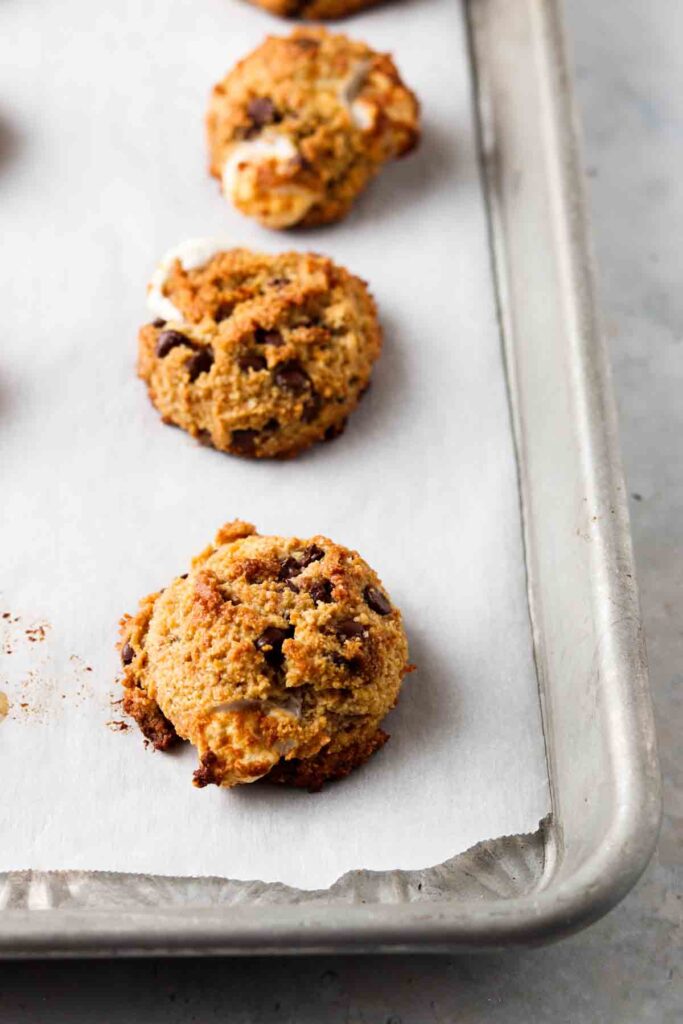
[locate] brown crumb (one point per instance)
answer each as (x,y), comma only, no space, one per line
(206,774)
(150,718)
(116,725)
(36,634)
(326,766)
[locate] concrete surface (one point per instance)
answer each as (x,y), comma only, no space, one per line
(627,969)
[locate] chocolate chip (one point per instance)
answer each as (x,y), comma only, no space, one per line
(352,664)
(291,585)
(204,438)
(158,322)
(312,554)
(321,591)
(252,361)
(169,340)
(127,654)
(200,363)
(262,111)
(289,568)
(349,629)
(270,643)
(223,311)
(271,425)
(184,576)
(243,441)
(376,600)
(291,376)
(334,431)
(292,566)
(312,408)
(264,337)
(272,637)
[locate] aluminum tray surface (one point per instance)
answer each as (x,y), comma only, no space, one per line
(582,595)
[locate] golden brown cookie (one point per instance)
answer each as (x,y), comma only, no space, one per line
(299,127)
(314,10)
(274,656)
(254,354)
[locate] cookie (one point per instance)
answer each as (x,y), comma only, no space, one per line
(314,10)
(274,656)
(254,354)
(299,127)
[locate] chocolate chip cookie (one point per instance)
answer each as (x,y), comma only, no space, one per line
(255,354)
(274,656)
(299,127)
(314,10)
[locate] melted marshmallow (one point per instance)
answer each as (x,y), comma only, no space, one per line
(260,753)
(256,151)
(289,706)
(361,112)
(193,253)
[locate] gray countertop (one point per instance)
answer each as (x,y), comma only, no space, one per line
(628,968)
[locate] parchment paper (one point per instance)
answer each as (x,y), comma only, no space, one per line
(102,169)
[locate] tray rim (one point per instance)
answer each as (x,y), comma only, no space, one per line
(557,908)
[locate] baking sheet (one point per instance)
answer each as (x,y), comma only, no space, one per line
(103,169)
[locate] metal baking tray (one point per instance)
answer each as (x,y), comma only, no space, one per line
(582,596)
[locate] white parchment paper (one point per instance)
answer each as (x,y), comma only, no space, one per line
(102,168)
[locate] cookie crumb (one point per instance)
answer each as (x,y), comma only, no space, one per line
(36,634)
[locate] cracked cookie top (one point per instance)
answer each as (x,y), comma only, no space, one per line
(261,355)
